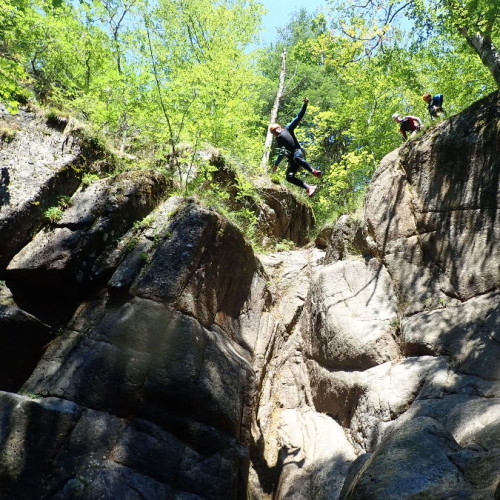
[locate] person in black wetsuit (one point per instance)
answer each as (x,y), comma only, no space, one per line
(434,104)
(285,137)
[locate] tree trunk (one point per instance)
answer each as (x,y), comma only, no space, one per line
(484,47)
(274,111)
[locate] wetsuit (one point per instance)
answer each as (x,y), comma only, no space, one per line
(295,154)
(435,105)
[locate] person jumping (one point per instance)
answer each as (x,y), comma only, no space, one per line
(285,137)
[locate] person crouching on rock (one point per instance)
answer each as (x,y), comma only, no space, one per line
(410,124)
(285,137)
(434,104)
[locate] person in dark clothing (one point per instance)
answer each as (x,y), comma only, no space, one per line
(408,124)
(285,137)
(434,104)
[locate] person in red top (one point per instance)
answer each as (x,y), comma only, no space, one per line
(290,147)
(409,123)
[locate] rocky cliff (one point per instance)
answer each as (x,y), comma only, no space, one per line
(149,353)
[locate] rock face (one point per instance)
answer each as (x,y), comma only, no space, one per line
(38,166)
(147,352)
(156,367)
(279,215)
(396,335)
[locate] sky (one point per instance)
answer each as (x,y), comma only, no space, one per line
(279,12)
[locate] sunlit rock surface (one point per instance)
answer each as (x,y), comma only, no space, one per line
(148,352)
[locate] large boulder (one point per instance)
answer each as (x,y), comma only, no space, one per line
(39,165)
(159,359)
(143,358)
(467,332)
(431,214)
(353,316)
(280,214)
(432,209)
(411,462)
(315,456)
(420,459)
(61,255)
(283,215)
(367,402)
(345,238)
(59,449)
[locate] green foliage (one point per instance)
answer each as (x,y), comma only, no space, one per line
(132,243)
(453,15)
(30,395)
(147,76)
(163,80)
(246,220)
(281,246)
(145,223)
(63,202)
(53,214)
(367,65)
(88,179)
(13,74)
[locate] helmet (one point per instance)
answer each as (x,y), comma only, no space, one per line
(395,116)
(426,97)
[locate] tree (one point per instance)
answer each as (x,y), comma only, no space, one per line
(202,80)
(274,110)
(376,23)
(13,73)
(356,76)
(474,20)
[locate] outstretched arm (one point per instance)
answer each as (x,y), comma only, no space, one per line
(278,161)
(299,117)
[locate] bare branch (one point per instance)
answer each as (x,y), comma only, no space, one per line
(274,110)
(160,96)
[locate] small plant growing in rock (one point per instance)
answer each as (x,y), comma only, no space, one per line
(144,223)
(8,132)
(283,245)
(395,324)
(173,213)
(443,302)
(88,179)
(63,202)
(53,214)
(31,395)
(132,243)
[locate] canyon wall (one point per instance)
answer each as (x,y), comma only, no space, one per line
(149,353)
